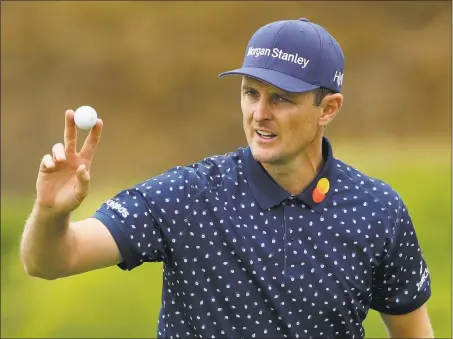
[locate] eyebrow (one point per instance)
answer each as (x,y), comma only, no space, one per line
(277,91)
(248,87)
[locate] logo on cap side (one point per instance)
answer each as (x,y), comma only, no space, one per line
(338,78)
(279,54)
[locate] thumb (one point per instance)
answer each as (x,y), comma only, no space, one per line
(83,183)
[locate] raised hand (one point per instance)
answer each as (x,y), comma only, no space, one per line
(64,176)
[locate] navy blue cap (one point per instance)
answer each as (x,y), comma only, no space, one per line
(295,56)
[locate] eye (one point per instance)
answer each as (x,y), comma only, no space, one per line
(279,98)
(250,92)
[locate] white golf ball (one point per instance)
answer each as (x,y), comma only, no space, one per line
(85,117)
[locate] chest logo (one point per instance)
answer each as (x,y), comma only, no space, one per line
(321,189)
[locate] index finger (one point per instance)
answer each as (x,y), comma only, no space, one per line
(70,132)
(92,141)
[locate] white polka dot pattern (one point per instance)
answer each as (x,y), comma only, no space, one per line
(294,269)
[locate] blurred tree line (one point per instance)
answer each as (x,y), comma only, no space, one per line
(150,69)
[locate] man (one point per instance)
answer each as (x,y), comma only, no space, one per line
(278,239)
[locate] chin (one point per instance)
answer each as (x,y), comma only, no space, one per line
(265,155)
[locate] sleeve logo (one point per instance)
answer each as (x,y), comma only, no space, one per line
(114,205)
(423,276)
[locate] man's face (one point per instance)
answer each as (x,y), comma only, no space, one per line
(278,125)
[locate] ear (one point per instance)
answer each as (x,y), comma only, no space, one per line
(330,105)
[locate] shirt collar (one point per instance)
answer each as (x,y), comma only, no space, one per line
(268,193)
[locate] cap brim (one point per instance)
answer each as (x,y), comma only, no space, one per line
(280,80)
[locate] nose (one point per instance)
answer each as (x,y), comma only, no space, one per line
(262,110)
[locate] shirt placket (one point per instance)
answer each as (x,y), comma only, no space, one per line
(289,234)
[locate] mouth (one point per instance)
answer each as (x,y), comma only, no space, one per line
(265,135)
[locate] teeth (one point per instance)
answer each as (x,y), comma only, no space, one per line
(265,134)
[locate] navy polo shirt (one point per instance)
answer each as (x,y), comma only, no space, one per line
(244,258)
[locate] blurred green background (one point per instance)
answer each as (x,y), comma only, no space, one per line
(150,69)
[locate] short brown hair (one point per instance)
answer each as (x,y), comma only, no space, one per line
(320,93)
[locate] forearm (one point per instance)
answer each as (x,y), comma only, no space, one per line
(416,331)
(415,324)
(46,244)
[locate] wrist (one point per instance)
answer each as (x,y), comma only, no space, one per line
(49,215)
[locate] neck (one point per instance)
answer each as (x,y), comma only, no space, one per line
(297,175)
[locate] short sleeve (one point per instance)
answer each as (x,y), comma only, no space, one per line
(147,221)
(401,283)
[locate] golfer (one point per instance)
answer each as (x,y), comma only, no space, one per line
(276,239)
